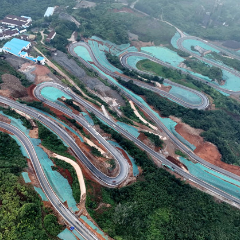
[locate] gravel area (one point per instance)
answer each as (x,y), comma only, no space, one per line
(13,86)
(16,62)
(92,83)
(62,59)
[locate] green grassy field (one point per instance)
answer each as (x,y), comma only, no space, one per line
(159,70)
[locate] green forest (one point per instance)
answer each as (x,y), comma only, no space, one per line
(21,209)
(32,8)
(214,73)
(190,16)
(105,23)
(234,63)
(159,206)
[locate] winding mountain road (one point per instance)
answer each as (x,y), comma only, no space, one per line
(68,216)
(154,154)
(154,117)
(201,106)
(181,47)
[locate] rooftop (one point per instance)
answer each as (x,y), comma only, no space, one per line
(15,46)
(40,58)
(49,12)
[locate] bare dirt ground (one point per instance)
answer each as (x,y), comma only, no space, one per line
(92,83)
(140,44)
(32,175)
(177,162)
(73,37)
(99,162)
(165,88)
(37,73)
(146,140)
(139,116)
(33,133)
(205,150)
(4,119)
(5,131)
(12,87)
(41,74)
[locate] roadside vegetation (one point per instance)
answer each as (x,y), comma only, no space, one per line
(30,8)
(220,126)
(129,113)
(95,152)
(78,126)
(8,111)
(70,103)
(155,139)
(19,203)
(64,30)
(159,70)
(114,60)
(180,153)
(52,142)
(38,105)
(234,63)
(214,73)
(159,206)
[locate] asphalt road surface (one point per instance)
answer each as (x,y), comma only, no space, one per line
(156,155)
(69,217)
(204,100)
(175,140)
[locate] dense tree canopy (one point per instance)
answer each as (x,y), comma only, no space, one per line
(21,209)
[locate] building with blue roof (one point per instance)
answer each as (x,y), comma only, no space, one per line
(49,12)
(18,47)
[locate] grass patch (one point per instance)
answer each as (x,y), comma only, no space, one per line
(155,139)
